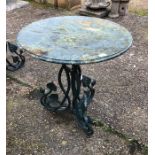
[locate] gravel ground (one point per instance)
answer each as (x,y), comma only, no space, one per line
(120,99)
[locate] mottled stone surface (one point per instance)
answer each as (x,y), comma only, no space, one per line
(74,39)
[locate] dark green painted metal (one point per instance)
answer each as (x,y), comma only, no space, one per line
(74,39)
(78,102)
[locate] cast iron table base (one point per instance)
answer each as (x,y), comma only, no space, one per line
(78,103)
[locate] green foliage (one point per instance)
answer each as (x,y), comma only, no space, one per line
(140,12)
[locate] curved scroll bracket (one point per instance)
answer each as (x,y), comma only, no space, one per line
(82,105)
(16,60)
(50,100)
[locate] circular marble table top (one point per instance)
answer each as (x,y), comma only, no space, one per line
(74,39)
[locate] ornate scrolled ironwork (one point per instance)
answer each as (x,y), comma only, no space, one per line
(50,100)
(78,105)
(83,103)
(18,59)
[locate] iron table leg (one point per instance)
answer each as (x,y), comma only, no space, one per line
(79,101)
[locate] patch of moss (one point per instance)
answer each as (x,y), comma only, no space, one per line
(18,81)
(9,106)
(132,143)
(25,144)
(139,12)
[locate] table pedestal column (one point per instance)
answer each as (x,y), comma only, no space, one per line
(77,102)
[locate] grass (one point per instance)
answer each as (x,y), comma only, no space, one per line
(139,12)
(139,7)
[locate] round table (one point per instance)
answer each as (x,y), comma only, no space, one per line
(73,41)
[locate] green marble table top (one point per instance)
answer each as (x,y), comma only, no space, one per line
(74,39)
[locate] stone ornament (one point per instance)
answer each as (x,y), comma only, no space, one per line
(119,8)
(97,8)
(97,4)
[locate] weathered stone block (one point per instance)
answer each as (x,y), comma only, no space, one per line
(114,9)
(119,8)
(96,13)
(123,8)
(97,8)
(97,4)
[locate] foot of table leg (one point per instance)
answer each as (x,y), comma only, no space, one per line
(79,103)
